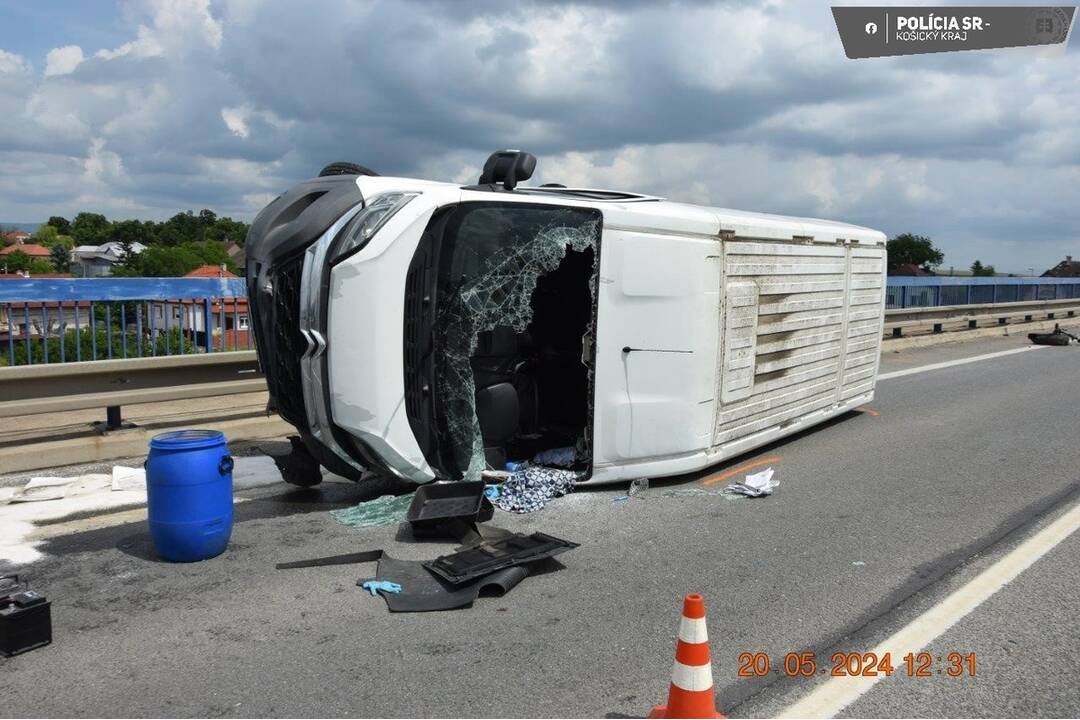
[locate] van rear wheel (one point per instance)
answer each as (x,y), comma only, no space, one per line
(346,168)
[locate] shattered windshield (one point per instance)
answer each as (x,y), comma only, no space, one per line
(491,260)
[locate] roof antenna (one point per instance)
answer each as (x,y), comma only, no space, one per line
(508,167)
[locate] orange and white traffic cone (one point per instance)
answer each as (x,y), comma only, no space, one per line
(691,693)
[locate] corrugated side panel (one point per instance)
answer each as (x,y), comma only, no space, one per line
(801,333)
(865,321)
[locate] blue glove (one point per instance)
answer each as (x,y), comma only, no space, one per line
(373,586)
(491,492)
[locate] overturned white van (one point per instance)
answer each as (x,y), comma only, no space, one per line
(429,331)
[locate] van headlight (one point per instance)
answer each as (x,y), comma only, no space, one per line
(359,231)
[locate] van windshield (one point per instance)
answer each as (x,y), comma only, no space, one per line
(515,298)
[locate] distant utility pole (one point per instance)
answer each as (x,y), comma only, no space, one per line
(1031,272)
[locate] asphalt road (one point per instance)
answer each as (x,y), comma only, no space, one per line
(878,516)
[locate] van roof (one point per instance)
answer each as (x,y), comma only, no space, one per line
(648,212)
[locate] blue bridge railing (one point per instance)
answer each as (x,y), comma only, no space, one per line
(46,320)
(909,292)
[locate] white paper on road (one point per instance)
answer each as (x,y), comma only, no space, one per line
(42,488)
(128,478)
(758,484)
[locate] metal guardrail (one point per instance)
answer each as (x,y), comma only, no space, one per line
(945,291)
(192,370)
(38,389)
(897,319)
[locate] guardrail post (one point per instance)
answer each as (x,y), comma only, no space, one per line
(1003,321)
(113,418)
(208,318)
(937,327)
(1027,318)
(972,324)
(896,332)
(1049,316)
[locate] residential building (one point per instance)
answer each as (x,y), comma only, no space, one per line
(99,260)
(1066,268)
(911,270)
(14,237)
(36,252)
(227,315)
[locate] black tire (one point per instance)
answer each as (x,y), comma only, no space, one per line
(297,466)
(346,168)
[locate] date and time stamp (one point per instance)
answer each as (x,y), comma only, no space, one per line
(854,664)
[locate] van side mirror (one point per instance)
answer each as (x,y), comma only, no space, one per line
(508,167)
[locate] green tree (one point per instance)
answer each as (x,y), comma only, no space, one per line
(912,249)
(40,267)
(90,229)
(17,261)
(134,231)
(227,230)
(180,228)
(63,227)
(46,235)
(207,217)
(61,257)
(980,270)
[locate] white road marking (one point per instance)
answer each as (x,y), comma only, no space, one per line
(837,693)
(961,361)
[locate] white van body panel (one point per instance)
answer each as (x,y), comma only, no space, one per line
(364,338)
(745,338)
(739,328)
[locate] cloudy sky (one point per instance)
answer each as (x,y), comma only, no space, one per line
(143,108)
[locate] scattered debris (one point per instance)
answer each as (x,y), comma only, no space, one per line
(25,617)
(1057,337)
(374,586)
(384,510)
(346,559)
(638,487)
(42,488)
(858,562)
(529,490)
(423,591)
(443,508)
(491,566)
(758,484)
(620,498)
(128,478)
(558,457)
(693,492)
(491,555)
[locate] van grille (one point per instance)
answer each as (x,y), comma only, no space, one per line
(414,308)
(288,345)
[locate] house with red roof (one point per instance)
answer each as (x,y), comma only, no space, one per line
(34,251)
(230,320)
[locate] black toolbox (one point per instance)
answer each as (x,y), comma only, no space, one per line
(25,618)
(437,506)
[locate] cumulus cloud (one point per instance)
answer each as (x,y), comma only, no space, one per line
(749,105)
(63,60)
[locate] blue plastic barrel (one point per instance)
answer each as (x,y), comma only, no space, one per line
(189,494)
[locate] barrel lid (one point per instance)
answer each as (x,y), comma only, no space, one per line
(187,439)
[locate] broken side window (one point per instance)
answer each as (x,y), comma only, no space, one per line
(515,299)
